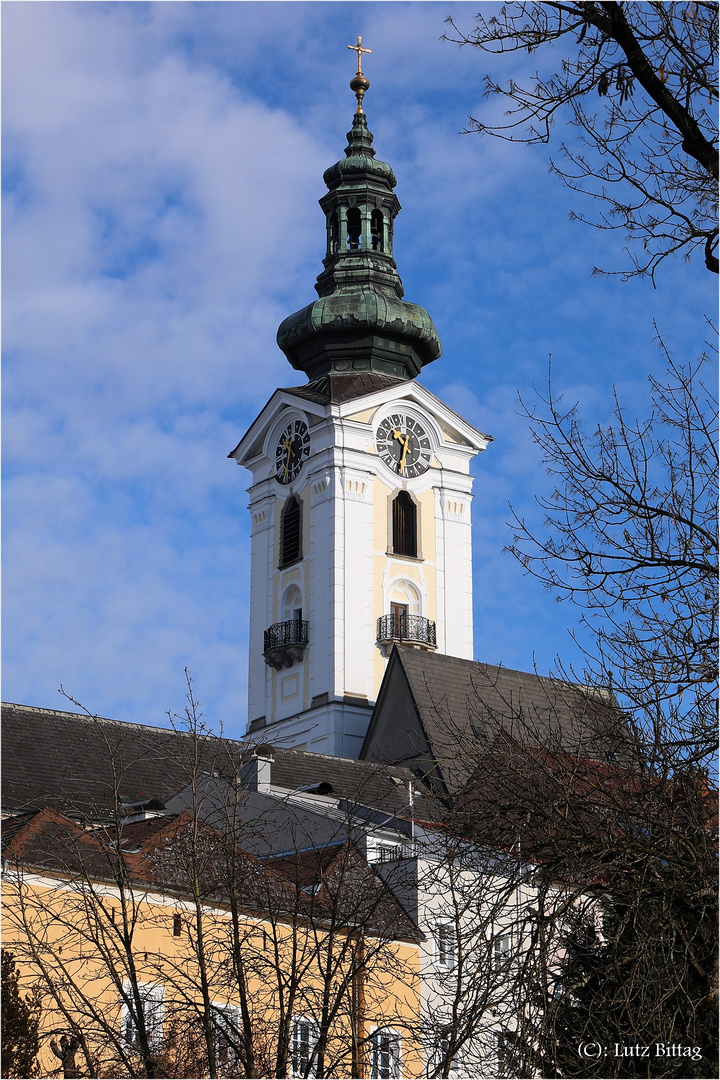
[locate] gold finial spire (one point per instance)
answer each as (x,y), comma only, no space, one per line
(359,84)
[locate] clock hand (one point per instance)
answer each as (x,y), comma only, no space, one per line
(406,447)
(405,443)
(398,435)
(288,446)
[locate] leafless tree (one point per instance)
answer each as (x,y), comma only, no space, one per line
(617,933)
(631,538)
(637,83)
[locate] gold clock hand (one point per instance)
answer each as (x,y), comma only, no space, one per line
(288,446)
(406,447)
(403,442)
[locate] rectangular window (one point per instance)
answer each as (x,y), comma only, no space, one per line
(227,1033)
(502,949)
(446,945)
(153,1007)
(383,851)
(503,1054)
(388,852)
(302,1046)
(384,1055)
(177,924)
(442,1054)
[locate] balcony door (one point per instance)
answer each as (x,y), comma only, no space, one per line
(399,614)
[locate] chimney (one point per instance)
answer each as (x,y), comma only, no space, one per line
(256,771)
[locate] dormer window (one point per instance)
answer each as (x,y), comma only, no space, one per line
(376,231)
(353,229)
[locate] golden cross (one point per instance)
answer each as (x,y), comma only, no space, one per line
(359,50)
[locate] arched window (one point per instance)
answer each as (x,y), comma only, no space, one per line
(376,230)
(291,531)
(404,525)
(334,234)
(292,605)
(353,229)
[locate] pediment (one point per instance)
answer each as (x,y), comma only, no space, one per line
(252,443)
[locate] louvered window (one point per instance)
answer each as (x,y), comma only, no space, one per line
(445,943)
(291,532)
(404,512)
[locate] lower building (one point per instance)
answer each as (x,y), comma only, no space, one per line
(162,949)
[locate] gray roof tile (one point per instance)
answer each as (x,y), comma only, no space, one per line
(457,701)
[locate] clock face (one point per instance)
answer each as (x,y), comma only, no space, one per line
(292,449)
(404,445)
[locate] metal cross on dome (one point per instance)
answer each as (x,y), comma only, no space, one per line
(359,50)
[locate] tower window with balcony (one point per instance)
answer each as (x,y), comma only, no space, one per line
(291,531)
(353,229)
(404,525)
(286,641)
(376,230)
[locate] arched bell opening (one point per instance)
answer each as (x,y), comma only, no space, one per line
(377,231)
(333,233)
(404,525)
(291,532)
(354,229)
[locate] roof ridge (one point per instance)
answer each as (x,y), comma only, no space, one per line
(423,658)
(108,720)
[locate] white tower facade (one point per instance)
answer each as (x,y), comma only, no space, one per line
(379,555)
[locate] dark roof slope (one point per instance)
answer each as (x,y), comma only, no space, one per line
(77,763)
(336,389)
(340,879)
(456,700)
(49,840)
(366,783)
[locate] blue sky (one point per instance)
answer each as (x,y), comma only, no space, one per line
(162,166)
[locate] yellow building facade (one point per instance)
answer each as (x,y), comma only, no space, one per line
(154,971)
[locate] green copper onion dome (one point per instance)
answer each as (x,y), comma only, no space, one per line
(360,321)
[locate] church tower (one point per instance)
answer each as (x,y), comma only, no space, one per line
(361,490)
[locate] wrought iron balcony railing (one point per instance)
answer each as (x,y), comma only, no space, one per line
(285,643)
(413,629)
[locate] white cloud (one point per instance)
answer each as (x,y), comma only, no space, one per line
(163,165)
(152,230)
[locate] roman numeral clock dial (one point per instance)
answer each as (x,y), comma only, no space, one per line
(404,445)
(292,449)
